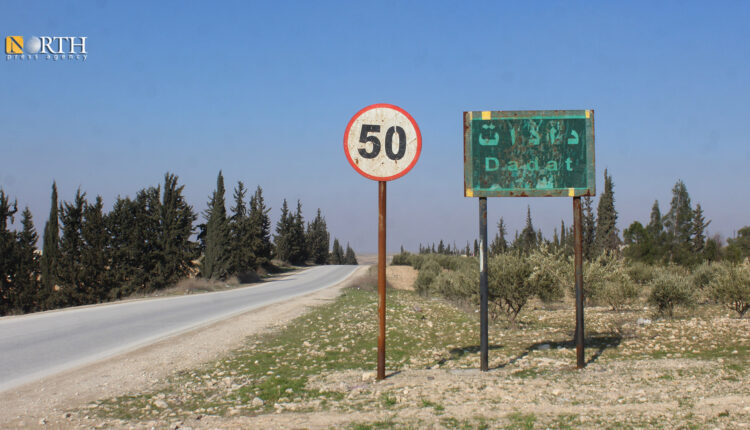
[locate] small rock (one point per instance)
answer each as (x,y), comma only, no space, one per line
(67,415)
(367,376)
(161,404)
(257,402)
(543,347)
(43,421)
(227,381)
(643,321)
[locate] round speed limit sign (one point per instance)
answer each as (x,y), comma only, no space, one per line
(382,142)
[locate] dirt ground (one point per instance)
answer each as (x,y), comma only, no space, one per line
(642,372)
(401,277)
(44,403)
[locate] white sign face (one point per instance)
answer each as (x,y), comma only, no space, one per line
(382,142)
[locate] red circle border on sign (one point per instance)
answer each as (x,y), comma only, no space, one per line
(409,117)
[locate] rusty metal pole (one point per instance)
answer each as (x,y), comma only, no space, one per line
(483,293)
(578,239)
(381,279)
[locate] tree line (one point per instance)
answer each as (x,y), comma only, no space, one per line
(148,243)
(678,237)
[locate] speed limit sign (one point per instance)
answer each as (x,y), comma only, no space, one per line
(382,142)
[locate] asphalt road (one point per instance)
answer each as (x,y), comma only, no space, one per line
(37,345)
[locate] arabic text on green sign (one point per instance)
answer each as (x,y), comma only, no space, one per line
(530,153)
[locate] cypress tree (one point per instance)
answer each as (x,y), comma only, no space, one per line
(528,239)
(699,231)
(562,233)
(607,236)
(337,253)
(500,243)
(555,239)
(476,247)
(28,296)
(176,219)
(291,236)
(655,229)
(656,224)
(349,256)
(441,247)
(8,262)
(467,250)
(70,270)
(242,258)
(318,239)
(135,234)
(679,225)
(283,229)
(215,264)
(260,229)
(51,246)
(589,228)
(94,277)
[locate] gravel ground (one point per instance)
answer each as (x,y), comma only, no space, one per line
(317,372)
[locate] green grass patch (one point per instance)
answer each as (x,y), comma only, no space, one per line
(339,336)
(519,421)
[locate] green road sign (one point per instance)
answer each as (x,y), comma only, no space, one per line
(529,153)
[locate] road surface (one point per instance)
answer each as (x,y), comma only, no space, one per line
(38,345)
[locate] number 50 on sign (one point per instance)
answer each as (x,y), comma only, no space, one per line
(382,142)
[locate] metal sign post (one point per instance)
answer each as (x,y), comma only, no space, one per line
(529,154)
(578,239)
(382,142)
(483,288)
(381,279)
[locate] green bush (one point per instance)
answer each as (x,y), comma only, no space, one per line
(641,273)
(401,259)
(606,281)
(704,273)
(462,284)
(514,279)
(670,289)
(731,287)
(427,274)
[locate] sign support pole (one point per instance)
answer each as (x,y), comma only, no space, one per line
(578,239)
(381,279)
(483,293)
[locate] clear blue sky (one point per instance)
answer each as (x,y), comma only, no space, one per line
(264,90)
